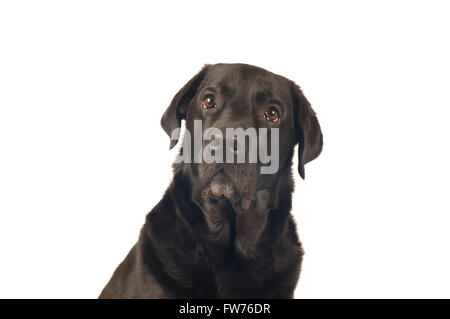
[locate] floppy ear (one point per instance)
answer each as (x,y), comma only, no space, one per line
(177,109)
(309,134)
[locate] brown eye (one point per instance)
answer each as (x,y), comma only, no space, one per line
(272,115)
(208,102)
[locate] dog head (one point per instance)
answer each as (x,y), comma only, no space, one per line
(240,96)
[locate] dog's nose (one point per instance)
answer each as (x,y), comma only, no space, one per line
(216,143)
(232,145)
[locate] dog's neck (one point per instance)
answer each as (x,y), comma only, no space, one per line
(208,238)
(237,226)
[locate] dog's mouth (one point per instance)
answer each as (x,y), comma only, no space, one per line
(222,187)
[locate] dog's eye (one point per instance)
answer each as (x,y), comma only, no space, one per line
(209,101)
(272,115)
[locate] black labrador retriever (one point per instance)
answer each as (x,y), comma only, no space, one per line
(224,230)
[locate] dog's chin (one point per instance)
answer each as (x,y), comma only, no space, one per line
(221,187)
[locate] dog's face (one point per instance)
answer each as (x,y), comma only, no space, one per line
(230,96)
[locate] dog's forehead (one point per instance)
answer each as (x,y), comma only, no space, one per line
(231,78)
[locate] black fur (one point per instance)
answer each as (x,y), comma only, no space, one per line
(242,245)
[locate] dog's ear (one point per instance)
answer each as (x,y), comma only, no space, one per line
(177,109)
(309,134)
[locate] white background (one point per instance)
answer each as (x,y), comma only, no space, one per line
(83,85)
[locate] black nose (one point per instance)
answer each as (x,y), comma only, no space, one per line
(232,144)
(216,143)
